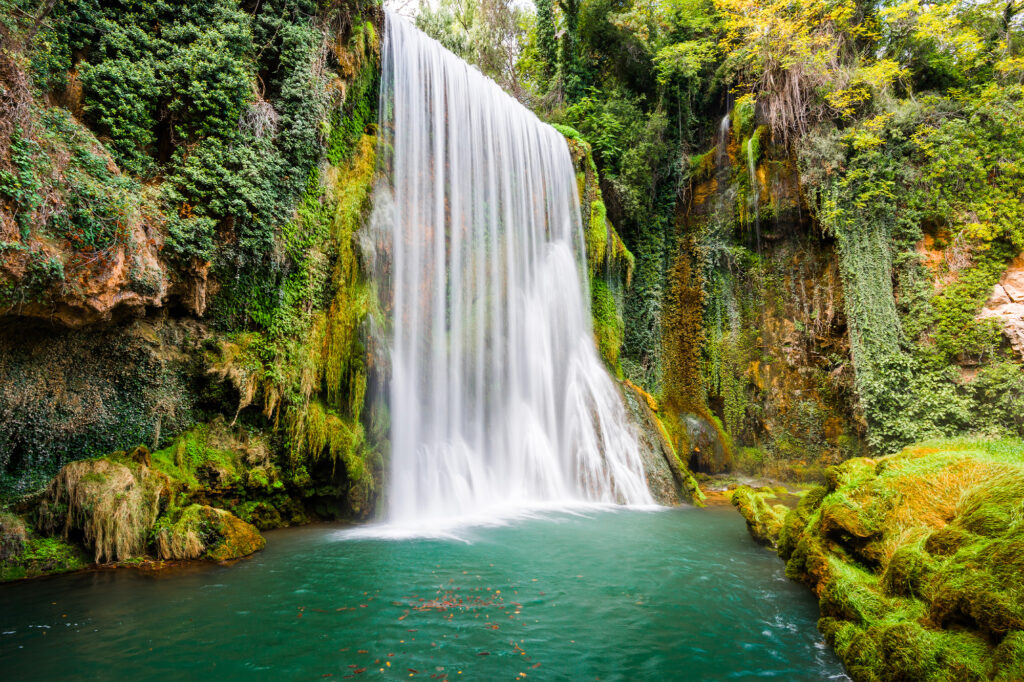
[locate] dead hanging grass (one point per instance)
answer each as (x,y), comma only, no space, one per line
(114,506)
(177,543)
(237,364)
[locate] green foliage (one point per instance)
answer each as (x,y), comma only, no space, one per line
(955,332)
(546,42)
(743,117)
(875,207)
(568,131)
(486,33)
(21,185)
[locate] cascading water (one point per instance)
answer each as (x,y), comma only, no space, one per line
(498,397)
(755,192)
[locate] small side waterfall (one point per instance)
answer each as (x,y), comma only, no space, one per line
(498,397)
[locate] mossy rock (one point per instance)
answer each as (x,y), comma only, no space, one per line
(908,569)
(918,561)
(841,517)
(947,541)
(763,521)
(992,508)
(796,520)
(209,533)
(849,596)
(851,472)
(41,555)
(261,514)
(857,649)
(1008,660)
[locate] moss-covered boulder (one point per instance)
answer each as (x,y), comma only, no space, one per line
(764,521)
(204,532)
(917,560)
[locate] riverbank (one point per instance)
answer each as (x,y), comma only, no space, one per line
(917,559)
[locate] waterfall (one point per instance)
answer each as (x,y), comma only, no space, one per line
(498,397)
(755,191)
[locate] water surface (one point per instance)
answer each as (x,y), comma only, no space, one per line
(615,595)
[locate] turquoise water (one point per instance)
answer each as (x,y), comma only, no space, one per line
(613,595)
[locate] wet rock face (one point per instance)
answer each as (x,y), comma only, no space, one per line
(668,479)
(1007,304)
(67,395)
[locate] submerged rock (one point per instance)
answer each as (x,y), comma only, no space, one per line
(204,532)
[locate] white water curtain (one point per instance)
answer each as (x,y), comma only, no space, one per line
(498,397)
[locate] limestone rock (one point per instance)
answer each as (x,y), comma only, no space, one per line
(119,284)
(1007,304)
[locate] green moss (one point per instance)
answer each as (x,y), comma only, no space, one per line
(763,521)
(947,541)
(194,461)
(204,532)
(607,323)
(993,509)
(34,554)
(743,115)
(1008,661)
(597,238)
(917,560)
(795,522)
(908,569)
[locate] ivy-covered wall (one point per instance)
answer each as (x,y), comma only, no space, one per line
(181,187)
